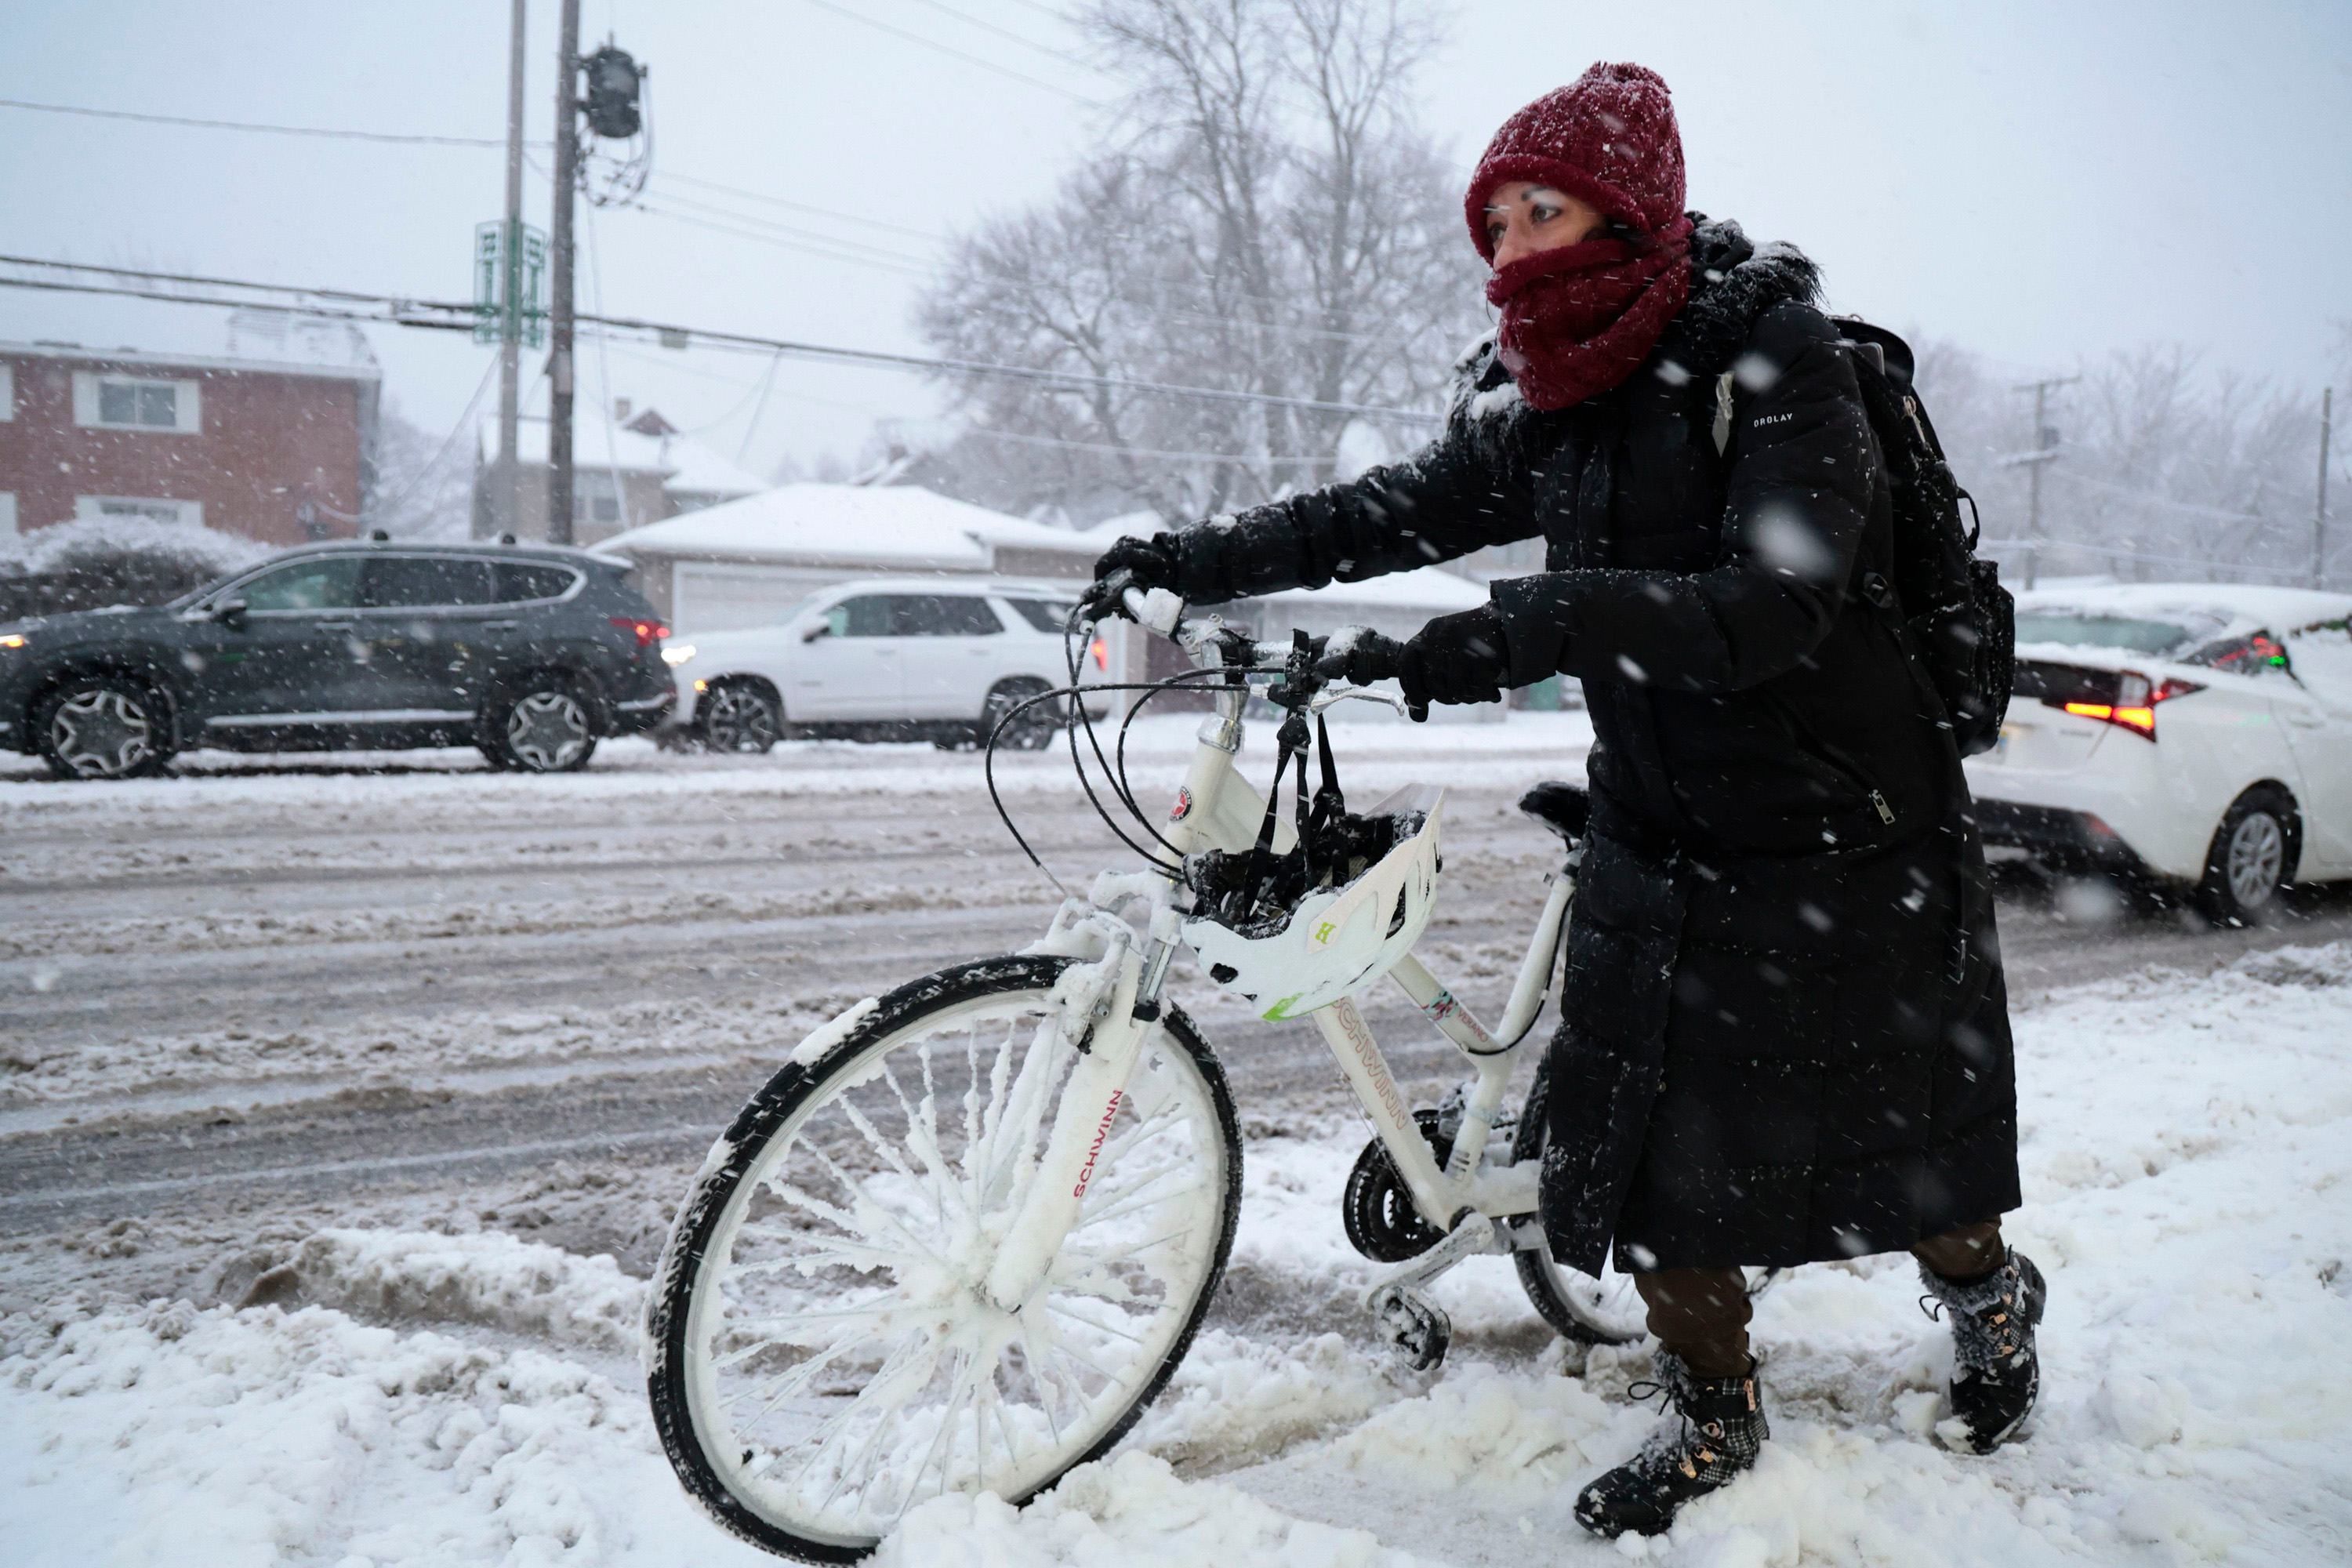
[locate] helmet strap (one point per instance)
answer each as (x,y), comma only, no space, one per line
(1330,808)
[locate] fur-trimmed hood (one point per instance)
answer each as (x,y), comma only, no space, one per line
(1734,280)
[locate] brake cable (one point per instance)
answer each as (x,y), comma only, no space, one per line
(988,766)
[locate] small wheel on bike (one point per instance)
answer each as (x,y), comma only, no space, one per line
(1606,1311)
(822,1355)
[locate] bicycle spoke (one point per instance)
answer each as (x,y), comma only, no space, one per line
(1129,1203)
(863,1371)
(1047,1393)
(922,1137)
(1076,1317)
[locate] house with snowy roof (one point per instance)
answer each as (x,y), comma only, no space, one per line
(635,469)
(745,561)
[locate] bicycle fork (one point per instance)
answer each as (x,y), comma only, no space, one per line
(1110,1037)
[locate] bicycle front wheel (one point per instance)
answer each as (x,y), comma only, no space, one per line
(822,1353)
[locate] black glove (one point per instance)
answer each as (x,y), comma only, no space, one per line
(1455,659)
(1148,563)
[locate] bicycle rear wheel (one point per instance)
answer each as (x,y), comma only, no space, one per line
(821,1355)
(1603,1311)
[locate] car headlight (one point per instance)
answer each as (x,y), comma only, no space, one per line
(678,654)
(16,640)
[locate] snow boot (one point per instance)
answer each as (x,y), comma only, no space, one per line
(1996,1373)
(1715,1432)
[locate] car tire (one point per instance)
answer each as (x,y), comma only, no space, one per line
(739,716)
(543,723)
(1033,731)
(104,726)
(2252,856)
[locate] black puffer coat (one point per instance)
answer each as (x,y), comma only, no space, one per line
(1785,1035)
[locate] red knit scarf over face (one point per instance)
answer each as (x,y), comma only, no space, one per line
(1578,320)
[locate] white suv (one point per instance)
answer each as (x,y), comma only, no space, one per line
(886,658)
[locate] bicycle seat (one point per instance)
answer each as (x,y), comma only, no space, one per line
(1560,807)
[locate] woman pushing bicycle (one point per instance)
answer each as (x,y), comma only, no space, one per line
(1785,1035)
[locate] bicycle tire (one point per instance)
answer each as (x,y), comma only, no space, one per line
(1602,1312)
(698,1264)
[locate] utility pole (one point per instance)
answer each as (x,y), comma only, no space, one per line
(2319,512)
(505,491)
(2045,451)
(559,358)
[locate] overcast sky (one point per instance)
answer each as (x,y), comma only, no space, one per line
(2041,182)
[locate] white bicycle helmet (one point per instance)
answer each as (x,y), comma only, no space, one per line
(1294,932)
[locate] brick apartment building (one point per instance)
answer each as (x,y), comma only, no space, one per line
(269,440)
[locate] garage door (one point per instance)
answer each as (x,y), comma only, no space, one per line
(718,598)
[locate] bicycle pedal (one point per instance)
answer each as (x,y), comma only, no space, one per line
(1415,1324)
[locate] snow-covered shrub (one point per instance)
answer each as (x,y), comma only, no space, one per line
(98,560)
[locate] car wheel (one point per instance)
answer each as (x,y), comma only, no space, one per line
(546,724)
(2252,856)
(1032,729)
(737,716)
(104,726)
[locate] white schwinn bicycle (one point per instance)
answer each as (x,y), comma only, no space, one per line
(966,1235)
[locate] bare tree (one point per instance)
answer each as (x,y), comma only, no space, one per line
(423,483)
(1268,220)
(2166,469)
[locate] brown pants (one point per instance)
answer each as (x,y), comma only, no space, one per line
(1701,1314)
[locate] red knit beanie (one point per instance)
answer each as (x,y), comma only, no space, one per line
(1609,138)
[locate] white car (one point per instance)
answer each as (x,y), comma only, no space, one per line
(936,658)
(2200,733)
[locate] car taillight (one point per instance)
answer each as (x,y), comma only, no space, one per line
(648,632)
(1100,649)
(2134,708)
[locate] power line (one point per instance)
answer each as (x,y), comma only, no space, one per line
(323,313)
(2152,498)
(393,300)
(270,129)
(1327,334)
(662,174)
(1074,381)
(1044,10)
(1027,43)
(750,388)
(454,317)
(715,210)
(781,242)
(930,43)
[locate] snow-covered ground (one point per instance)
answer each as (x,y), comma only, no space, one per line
(432,1388)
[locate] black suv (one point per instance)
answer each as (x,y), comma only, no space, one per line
(530,652)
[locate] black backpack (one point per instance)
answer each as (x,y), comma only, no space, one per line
(1959,624)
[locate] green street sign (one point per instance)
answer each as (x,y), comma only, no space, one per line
(510,284)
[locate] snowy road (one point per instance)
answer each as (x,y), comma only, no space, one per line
(298,979)
(413,1047)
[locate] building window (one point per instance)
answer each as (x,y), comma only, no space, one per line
(130,403)
(153,509)
(7,514)
(7,392)
(594,497)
